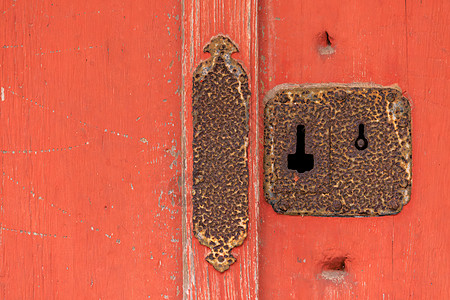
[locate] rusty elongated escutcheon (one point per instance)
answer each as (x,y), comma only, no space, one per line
(220,111)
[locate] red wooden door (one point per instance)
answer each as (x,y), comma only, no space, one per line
(90,150)
(394,257)
(96,135)
(406,256)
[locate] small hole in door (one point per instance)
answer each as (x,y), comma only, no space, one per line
(335,263)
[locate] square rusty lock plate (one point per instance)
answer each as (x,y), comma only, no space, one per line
(337,150)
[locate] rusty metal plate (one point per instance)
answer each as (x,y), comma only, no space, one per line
(337,150)
(220,124)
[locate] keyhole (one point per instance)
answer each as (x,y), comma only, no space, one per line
(361,141)
(300,161)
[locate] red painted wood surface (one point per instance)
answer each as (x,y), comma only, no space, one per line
(94,114)
(90,150)
(397,257)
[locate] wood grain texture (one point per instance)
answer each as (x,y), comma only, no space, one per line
(203,20)
(90,150)
(405,256)
(91,121)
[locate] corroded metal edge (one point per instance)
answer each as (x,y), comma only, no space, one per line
(220,172)
(293,86)
(399,118)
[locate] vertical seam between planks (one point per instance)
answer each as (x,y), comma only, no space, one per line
(187,273)
(406,46)
(254,48)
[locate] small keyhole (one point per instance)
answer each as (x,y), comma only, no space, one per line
(361,141)
(300,161)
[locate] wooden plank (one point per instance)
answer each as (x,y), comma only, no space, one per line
(90,90)
(421,249)
(366,43)
(203,20)
(406,256)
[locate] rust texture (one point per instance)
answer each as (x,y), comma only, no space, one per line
(359,139)
(220,174)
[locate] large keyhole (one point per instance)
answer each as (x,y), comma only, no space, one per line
(361,141)
(300,161)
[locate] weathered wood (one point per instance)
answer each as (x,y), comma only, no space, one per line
(90,102)
(406,256)
(90,90)
(203,20)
